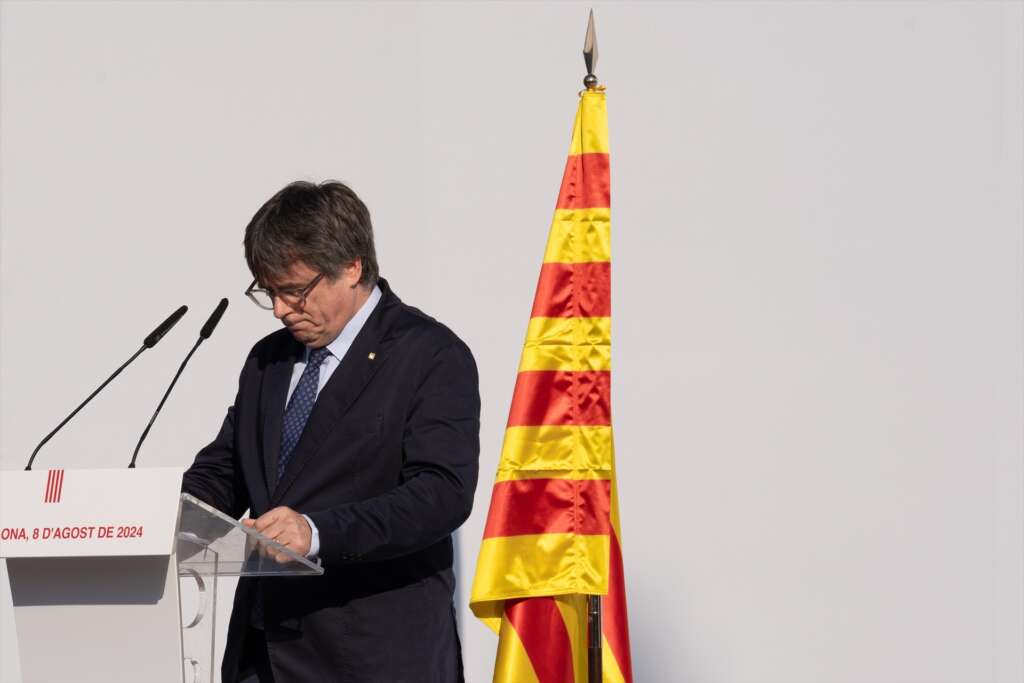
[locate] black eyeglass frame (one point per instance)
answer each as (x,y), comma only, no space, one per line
(292,297)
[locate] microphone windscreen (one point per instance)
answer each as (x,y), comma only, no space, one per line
(214,318)
(164,327)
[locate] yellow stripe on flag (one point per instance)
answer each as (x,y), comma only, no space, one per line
(590,130)
(539,564)
(579,236)
(567,344)
(580,475)
(610,671)
(513,664)
(556,450)
(574,613)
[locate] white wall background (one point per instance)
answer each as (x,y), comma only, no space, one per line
(818,280)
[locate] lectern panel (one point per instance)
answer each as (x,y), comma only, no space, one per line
(88,513)
(210,542)
(97,619)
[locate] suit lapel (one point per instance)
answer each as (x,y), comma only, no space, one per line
(349,380)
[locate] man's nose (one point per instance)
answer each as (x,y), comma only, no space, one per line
(281,308)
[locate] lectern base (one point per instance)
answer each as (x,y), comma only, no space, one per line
(97,619)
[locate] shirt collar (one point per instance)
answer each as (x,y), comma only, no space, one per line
(340,345)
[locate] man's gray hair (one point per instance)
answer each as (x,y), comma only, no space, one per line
(325,226)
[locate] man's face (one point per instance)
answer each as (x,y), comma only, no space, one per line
(328,307)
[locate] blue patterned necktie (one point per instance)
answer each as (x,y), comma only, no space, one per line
(300,405)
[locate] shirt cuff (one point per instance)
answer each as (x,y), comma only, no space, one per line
(314,543)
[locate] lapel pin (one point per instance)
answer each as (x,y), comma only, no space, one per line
(372,355)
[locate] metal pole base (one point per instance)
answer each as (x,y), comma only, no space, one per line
(594,673)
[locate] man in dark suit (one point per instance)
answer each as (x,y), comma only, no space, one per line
(354,438)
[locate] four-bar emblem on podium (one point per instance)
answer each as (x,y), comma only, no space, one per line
(54,486)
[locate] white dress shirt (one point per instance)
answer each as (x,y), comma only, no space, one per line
(338,348)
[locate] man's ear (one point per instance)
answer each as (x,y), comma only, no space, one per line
(353,272)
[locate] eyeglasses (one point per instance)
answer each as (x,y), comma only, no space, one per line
(264,298)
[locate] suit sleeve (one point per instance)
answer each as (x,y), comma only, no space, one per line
(441,448)
(215,477)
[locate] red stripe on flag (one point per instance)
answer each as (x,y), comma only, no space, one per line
(49,484)
(585,183)
(554,397)
(549,506)
(540,627)
(60,485)
(614,624)
(566,290)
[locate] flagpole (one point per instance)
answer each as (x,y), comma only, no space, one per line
(594,638)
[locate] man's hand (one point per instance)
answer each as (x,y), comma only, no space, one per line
(287,527)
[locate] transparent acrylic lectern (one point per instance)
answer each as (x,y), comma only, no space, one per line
(209,545)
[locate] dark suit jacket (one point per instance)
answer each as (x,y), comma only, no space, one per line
(386,468)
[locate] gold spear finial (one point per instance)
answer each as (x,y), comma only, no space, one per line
(590,53)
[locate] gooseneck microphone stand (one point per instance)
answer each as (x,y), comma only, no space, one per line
(148,343)
(204,334)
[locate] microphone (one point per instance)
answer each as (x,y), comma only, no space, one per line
(162,329)
(204,333)
(148,343)
(214,318)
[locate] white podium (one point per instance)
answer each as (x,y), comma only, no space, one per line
(114,574)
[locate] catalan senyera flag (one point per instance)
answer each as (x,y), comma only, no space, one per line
(552,534)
